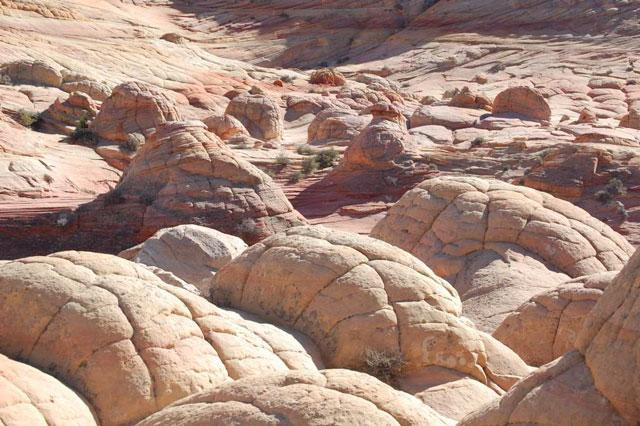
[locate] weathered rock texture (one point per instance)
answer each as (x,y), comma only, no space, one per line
(185,174)
(522,100)
(127,341)
(64,116)
(193,253)
(353,295)
(134,107)
(327,76)
(595,383)
(31,397)
(546,326)
(259,114)
(497,243)
(337,397)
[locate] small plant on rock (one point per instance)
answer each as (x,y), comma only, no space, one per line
(28,118)
(305,150)
(479,141)
(309,165)
(384,365)
(282,160)
(611,189)
(326,158)
(296,177)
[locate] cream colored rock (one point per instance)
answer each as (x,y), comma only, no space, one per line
(383,145)
(594,384)
(32,72)
(225,126)
(126,340)
(631,119)
(31,397)
(522,100)
(354,296)
(193,253)
(335,397)
(335,126)
(546,327)
(259,114)
(64,116)
(452,118)
(98,91)
(134,107)
(497,243)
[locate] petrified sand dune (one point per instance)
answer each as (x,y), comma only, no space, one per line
(28,396)
(595,383)
(353,295)
(127,341)
(499,244)
(337,397)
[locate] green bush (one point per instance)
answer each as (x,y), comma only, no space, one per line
(28,118)
(84,136)
(309,165)
(305,150)
(326,158)
(296,177)
(282,160)
(610,190)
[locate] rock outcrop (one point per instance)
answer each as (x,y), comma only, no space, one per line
(524,101)
(327,76)
(593,384)
(226,127)
(546,327)
(334,126)
(499,244)
(31,397)
(358,297)
(337,397)
(259,114)
(130,343)
(191,252)
(31,72)
(134,107)
(64,116)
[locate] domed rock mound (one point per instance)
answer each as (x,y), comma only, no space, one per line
(63,117)
(546,327)
(31,397)
(327,76)
(522,100)
(366,303)
(133,107)
(499,244)
(260,115)
(185,174)
(130,343)
(336,397)
(193,253)
(594,384)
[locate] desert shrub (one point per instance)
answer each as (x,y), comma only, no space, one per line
(309,165)
(133,143)
(497,68)
(384,365)
(28,118)
(287,78)
(113,197)
(296,177)
(610,190)
(246,228)
(84,136)
(305,150)
(282,160)
(326,158)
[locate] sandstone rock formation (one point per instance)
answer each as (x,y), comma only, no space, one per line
(546,326)
(29,396)
(133,107)
(356,296)
(259,114)
(453,118)
(185,174)
(327,76)
(499,244)
(31,72)
(226,127)
(465,98)
(63,117)
(337,397)
(129,342)
(191,252)
(593,384)
(335,126)
(524,101)
(384,144)
(631,119)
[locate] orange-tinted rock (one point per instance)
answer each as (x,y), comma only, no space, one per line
(63,117)
(327,76)
(524,101)
(259,114)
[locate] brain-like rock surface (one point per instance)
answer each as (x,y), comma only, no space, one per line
(354,295)
(31,397)
(453,118)
(124,339)
(191,252)
(546,326)
(336,397)
(133,108)
(383,144)
(259,114)
(185,174)
(327,76)
(497,243)
(522,100)
(595,384)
